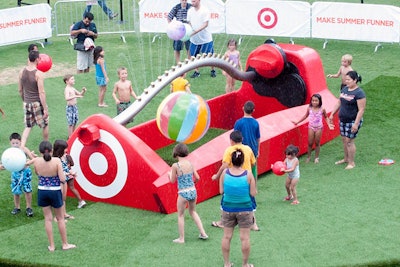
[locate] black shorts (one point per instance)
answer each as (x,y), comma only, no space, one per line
(51,198)
(178,45)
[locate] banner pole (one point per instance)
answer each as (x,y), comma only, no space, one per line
(121,10)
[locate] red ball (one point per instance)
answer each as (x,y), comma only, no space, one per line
(44,63)
(277,166)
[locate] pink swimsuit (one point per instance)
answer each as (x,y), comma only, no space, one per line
(315,120)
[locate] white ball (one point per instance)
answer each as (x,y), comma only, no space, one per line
(175,30)
(188,32)
(13,159)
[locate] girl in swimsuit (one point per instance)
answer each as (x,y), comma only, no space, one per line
(184,173)
(315,112)
(233,55)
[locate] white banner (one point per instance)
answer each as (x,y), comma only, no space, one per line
(362,22)
(153,15)
(27,23)
(268,18)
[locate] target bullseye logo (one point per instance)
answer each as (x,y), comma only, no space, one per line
(267,18)
(106,161)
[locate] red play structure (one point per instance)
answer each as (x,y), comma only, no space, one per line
(120,166)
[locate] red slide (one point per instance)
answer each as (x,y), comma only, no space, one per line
(120,166)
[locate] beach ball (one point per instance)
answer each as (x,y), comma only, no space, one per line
(277,166)
(44,63)
(183,117)
(176,30)
(188,32)
(13,159)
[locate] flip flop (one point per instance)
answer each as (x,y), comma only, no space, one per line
(349,167)
(204,237)
(216,224)
(70,246)
(296,202)
(340,162)
(178,241)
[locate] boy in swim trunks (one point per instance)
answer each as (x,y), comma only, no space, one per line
(124,89)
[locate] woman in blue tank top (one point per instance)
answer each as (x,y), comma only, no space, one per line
(237,186)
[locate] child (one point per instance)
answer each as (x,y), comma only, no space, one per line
(183,172)
(60,149)
(124,90)
(250,129)
(101,74)
(21,180)
(71,95)
(293,171)
(314,113)
(343,69)
(180,84)
(233,55)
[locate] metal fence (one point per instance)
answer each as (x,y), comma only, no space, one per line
(126,13)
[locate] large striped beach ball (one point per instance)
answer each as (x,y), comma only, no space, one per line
(183,117)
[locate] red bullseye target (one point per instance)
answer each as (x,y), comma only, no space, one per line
(267,18)
(99,162)
(105,161)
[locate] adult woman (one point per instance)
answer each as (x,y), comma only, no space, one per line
(50,173)
(351,107)
(237,185)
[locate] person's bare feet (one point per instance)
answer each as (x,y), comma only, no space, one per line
(178,241)
(349,166)
(68,216)
(68,246)
(340,162)
(55,220)
(217,224)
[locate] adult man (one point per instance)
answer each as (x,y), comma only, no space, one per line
(85,32)
(179,12)
(31,90)
(110,14)
(201,40)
